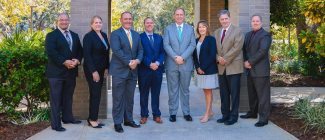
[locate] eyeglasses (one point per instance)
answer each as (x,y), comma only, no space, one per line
(66,20)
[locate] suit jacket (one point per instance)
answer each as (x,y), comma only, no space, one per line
(95,53)
(174,47)
(58,50)
(207,56)
(257,54)
(231,50)
(151,54)
(122,53)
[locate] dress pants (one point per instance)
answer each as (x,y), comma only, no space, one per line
(61,96)
(259,97)
(178,83)
(123,98)
(229,90)
(147,82)
(95,89)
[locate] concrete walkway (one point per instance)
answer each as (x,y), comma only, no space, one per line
(243,129)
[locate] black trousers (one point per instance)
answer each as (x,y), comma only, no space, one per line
(95,90)
(229,89)
(259,97)
(61,96)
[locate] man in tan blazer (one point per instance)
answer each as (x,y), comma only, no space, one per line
(230,41)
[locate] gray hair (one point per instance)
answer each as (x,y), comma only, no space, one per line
(125,13)
(224,12)
(63,14)
(257,16)
(178,9)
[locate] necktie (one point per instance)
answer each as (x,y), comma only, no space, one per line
(68,39)
(223,35)
(130,40)
(180,33)
(151,40)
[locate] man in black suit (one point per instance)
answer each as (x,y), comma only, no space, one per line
(65,53)
(257,63)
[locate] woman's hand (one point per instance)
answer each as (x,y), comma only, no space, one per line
(200,71)
(106,73)
(96,77)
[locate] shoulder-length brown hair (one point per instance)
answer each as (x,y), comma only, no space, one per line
(204,23)
(92,20)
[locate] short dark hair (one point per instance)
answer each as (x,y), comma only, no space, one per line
(257,16)
(63,14)
(125,13)
(144,21)
(222,12)
(178,9)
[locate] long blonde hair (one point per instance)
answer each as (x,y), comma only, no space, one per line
(92,20)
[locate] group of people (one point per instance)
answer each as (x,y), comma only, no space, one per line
(219,60)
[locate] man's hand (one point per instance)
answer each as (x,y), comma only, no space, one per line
(222,61)
(133,64)
(69,64)
(200,71)
(154,66)
(96,77)
(179,60)
(248,65)
(106,73)
(75,61)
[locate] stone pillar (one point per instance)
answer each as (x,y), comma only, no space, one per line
(241,12)
(81,13)
(196,12)
(209,10)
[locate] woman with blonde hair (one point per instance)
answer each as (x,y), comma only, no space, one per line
(96,51)
(204,57)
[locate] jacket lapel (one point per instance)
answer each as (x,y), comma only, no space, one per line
(227,34)
(98,38)
(125,37)
(133,39)
(218,37)
(249,34)
(63,38)
(144,35)
(254,38)
(203,43)
(175,31)
(184,31)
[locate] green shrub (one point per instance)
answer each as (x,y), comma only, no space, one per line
(313,64)
(287,66)
(22,66)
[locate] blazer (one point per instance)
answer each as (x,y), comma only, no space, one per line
(58,51)
(122,53)
(231,50)
(151,54)
(207,56)
(174,46)
(257,53)
(95,53)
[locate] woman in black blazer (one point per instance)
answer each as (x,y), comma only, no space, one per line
(204,57)
(96,51)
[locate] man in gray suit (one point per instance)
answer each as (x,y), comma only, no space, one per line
(179,44)
(127,53)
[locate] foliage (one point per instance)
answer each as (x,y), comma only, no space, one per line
(12,11)
(314,10)
(22,67)
(312,113)
(116,15)
(283,12)
(313,64)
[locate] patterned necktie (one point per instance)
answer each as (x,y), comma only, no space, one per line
(130,40)
(151,40)
(223,35)
(68,39)
(180,33)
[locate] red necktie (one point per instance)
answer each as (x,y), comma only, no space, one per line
(223,35)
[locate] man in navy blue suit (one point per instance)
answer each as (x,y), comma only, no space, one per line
(150,73)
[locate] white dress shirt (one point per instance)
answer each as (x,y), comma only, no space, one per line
(181,26)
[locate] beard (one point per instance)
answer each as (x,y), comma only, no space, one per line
(64,28)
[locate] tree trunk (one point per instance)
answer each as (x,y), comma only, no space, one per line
(289,40)
(301,25)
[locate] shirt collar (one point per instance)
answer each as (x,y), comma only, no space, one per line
(62,31)
(227,27)
(148,33)
(180,25)
(126,31)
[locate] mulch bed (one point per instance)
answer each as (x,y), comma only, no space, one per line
(295,80)
(9,131)
(280,115)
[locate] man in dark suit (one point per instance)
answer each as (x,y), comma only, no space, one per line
(127,53)
(151,71)
(257,63)
(65,53)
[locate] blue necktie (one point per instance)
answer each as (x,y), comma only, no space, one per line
(180,33)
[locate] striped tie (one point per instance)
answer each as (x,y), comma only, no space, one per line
(130,40)
(68,39)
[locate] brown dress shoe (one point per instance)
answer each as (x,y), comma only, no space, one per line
(158,120)
(143,120)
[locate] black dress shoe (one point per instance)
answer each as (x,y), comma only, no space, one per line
(73,122)
(132,124)
(188,118)
(59,129)
(101,124)
(222,120)
(172,118)
(118,128)
(260,124)
(247,117)
(230,121)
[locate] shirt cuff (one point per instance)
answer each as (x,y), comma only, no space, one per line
(139,61)
(157,63)
(224,60)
